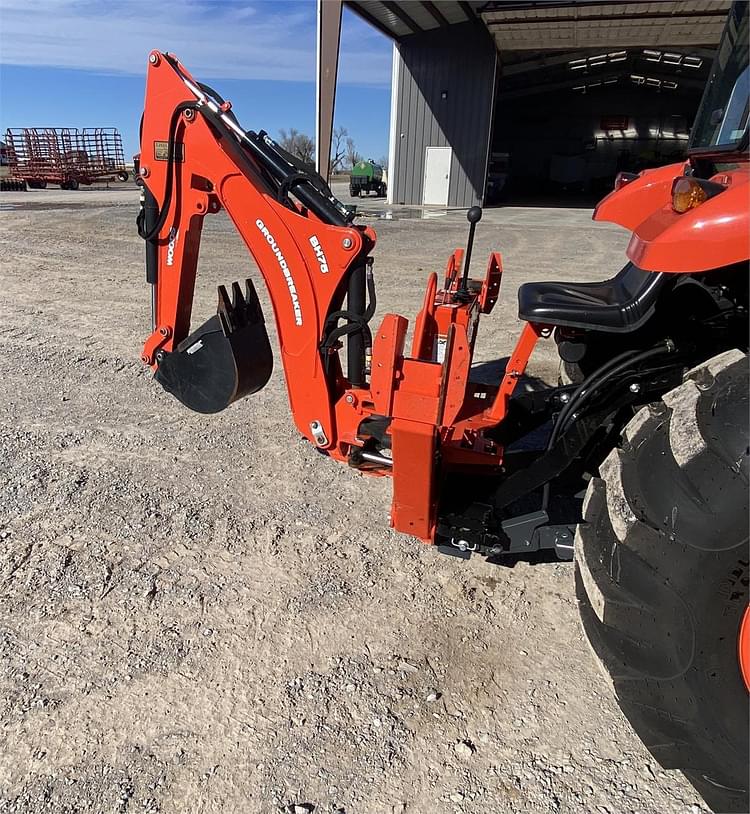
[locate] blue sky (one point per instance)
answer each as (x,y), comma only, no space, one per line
(81,63)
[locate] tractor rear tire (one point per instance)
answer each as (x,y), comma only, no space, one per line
(662,577)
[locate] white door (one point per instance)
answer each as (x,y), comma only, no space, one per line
(437,171)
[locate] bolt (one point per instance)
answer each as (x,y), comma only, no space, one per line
(564,398)
(189,114)
(347,243)
(164,331)
(350,399)
(635,387)
(160,356)
(153,59)
(145,172)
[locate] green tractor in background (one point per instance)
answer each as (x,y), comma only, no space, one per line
(366,177)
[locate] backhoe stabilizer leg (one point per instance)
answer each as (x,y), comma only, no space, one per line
(227,358)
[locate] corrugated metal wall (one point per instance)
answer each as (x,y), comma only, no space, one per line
(459,62)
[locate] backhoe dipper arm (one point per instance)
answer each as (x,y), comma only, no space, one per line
(195,159)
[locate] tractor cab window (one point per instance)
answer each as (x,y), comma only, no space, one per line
(722,119)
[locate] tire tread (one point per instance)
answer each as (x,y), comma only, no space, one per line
(640,572)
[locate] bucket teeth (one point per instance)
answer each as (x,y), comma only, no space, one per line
(252,304)
(225,311)
(238,299)
(242,308)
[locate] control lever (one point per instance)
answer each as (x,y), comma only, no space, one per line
(474,215)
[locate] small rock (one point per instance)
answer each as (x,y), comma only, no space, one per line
(304,808)
(464,750)
(457,797)
(405,667)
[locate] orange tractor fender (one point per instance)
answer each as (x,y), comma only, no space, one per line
(712,235)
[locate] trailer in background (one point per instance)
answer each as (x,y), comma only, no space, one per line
(8,184)
(366,177)
(65,156)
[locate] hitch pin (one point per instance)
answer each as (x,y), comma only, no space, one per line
(374,458)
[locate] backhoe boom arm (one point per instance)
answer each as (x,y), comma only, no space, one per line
(196,160)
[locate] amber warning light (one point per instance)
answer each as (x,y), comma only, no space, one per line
(687,193)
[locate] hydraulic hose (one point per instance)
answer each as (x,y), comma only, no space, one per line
(356,323)
(594,382)
(561,451)
(174,120)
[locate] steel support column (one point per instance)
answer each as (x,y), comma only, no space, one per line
(328,42)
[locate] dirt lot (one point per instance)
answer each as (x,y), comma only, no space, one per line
(200,614)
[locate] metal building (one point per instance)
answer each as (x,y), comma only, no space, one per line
(533,95)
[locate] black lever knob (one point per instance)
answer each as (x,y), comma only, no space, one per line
(474,215)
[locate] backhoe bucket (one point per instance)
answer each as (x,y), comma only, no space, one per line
(227,358)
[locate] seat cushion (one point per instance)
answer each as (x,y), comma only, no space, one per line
(621,304)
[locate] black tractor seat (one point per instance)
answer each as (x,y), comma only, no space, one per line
(618,305)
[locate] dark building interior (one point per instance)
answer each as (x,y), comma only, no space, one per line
(566,124)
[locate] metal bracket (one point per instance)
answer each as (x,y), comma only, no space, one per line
(321,439)
(522,531)
(558,537)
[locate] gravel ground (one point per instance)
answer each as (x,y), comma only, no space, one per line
(200,614)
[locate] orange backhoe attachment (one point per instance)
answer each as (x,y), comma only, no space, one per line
(404,415)
(464,475)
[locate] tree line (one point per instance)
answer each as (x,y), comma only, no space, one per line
(344,153)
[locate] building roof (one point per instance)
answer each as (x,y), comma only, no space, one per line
(546,25)
(398,20)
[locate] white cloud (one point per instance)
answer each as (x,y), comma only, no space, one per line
(213,38)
